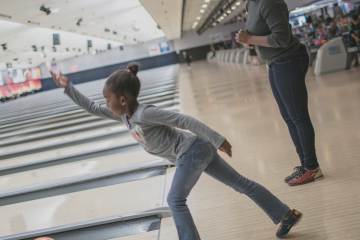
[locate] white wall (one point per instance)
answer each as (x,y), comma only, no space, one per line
(191,39)
(114,56)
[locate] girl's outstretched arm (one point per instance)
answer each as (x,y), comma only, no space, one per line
(81,100)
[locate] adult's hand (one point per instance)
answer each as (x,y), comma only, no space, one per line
(242,37)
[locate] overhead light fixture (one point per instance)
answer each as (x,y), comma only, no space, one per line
(198,18)
(204,5)
(46,10)
(228,11)
(238,3)
(78,22)
(207,1)
(233,7)
(32,22)
(5,16)
(4,46)
(202,10)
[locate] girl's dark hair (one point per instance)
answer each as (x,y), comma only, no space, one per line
(125,82)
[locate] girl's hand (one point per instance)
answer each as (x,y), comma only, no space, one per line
(60,80)
(242,37)
(226,148)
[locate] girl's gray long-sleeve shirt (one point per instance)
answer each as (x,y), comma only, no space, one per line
(271,18)
(159,131)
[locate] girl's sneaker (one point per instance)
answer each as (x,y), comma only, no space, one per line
(291,219)
(306,177)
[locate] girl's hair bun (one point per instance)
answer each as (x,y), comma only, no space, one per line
(133,67)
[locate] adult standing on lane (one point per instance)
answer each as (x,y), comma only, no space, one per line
(268,28)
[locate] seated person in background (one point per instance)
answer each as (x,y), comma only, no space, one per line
(321,35)
(343,24)
(333,29)
(355,29)
(337,10)
(355,37)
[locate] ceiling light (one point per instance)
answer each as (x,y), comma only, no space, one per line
(233,7)
(238,3)
(228,11)
(4,46)
(202,10)
(46,10)
(198,18)
(214,24)
(78,22)
(207,1)
(204,5)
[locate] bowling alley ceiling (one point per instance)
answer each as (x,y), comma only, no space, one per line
(125,21)
(27,27)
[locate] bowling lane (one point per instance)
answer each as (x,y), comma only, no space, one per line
(121,140)
(71,208)
(133,156)
(47,127)
(58,132)
(55,140)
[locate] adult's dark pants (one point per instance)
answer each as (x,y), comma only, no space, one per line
(287,80)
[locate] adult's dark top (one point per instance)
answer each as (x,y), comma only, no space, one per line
(271,18)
